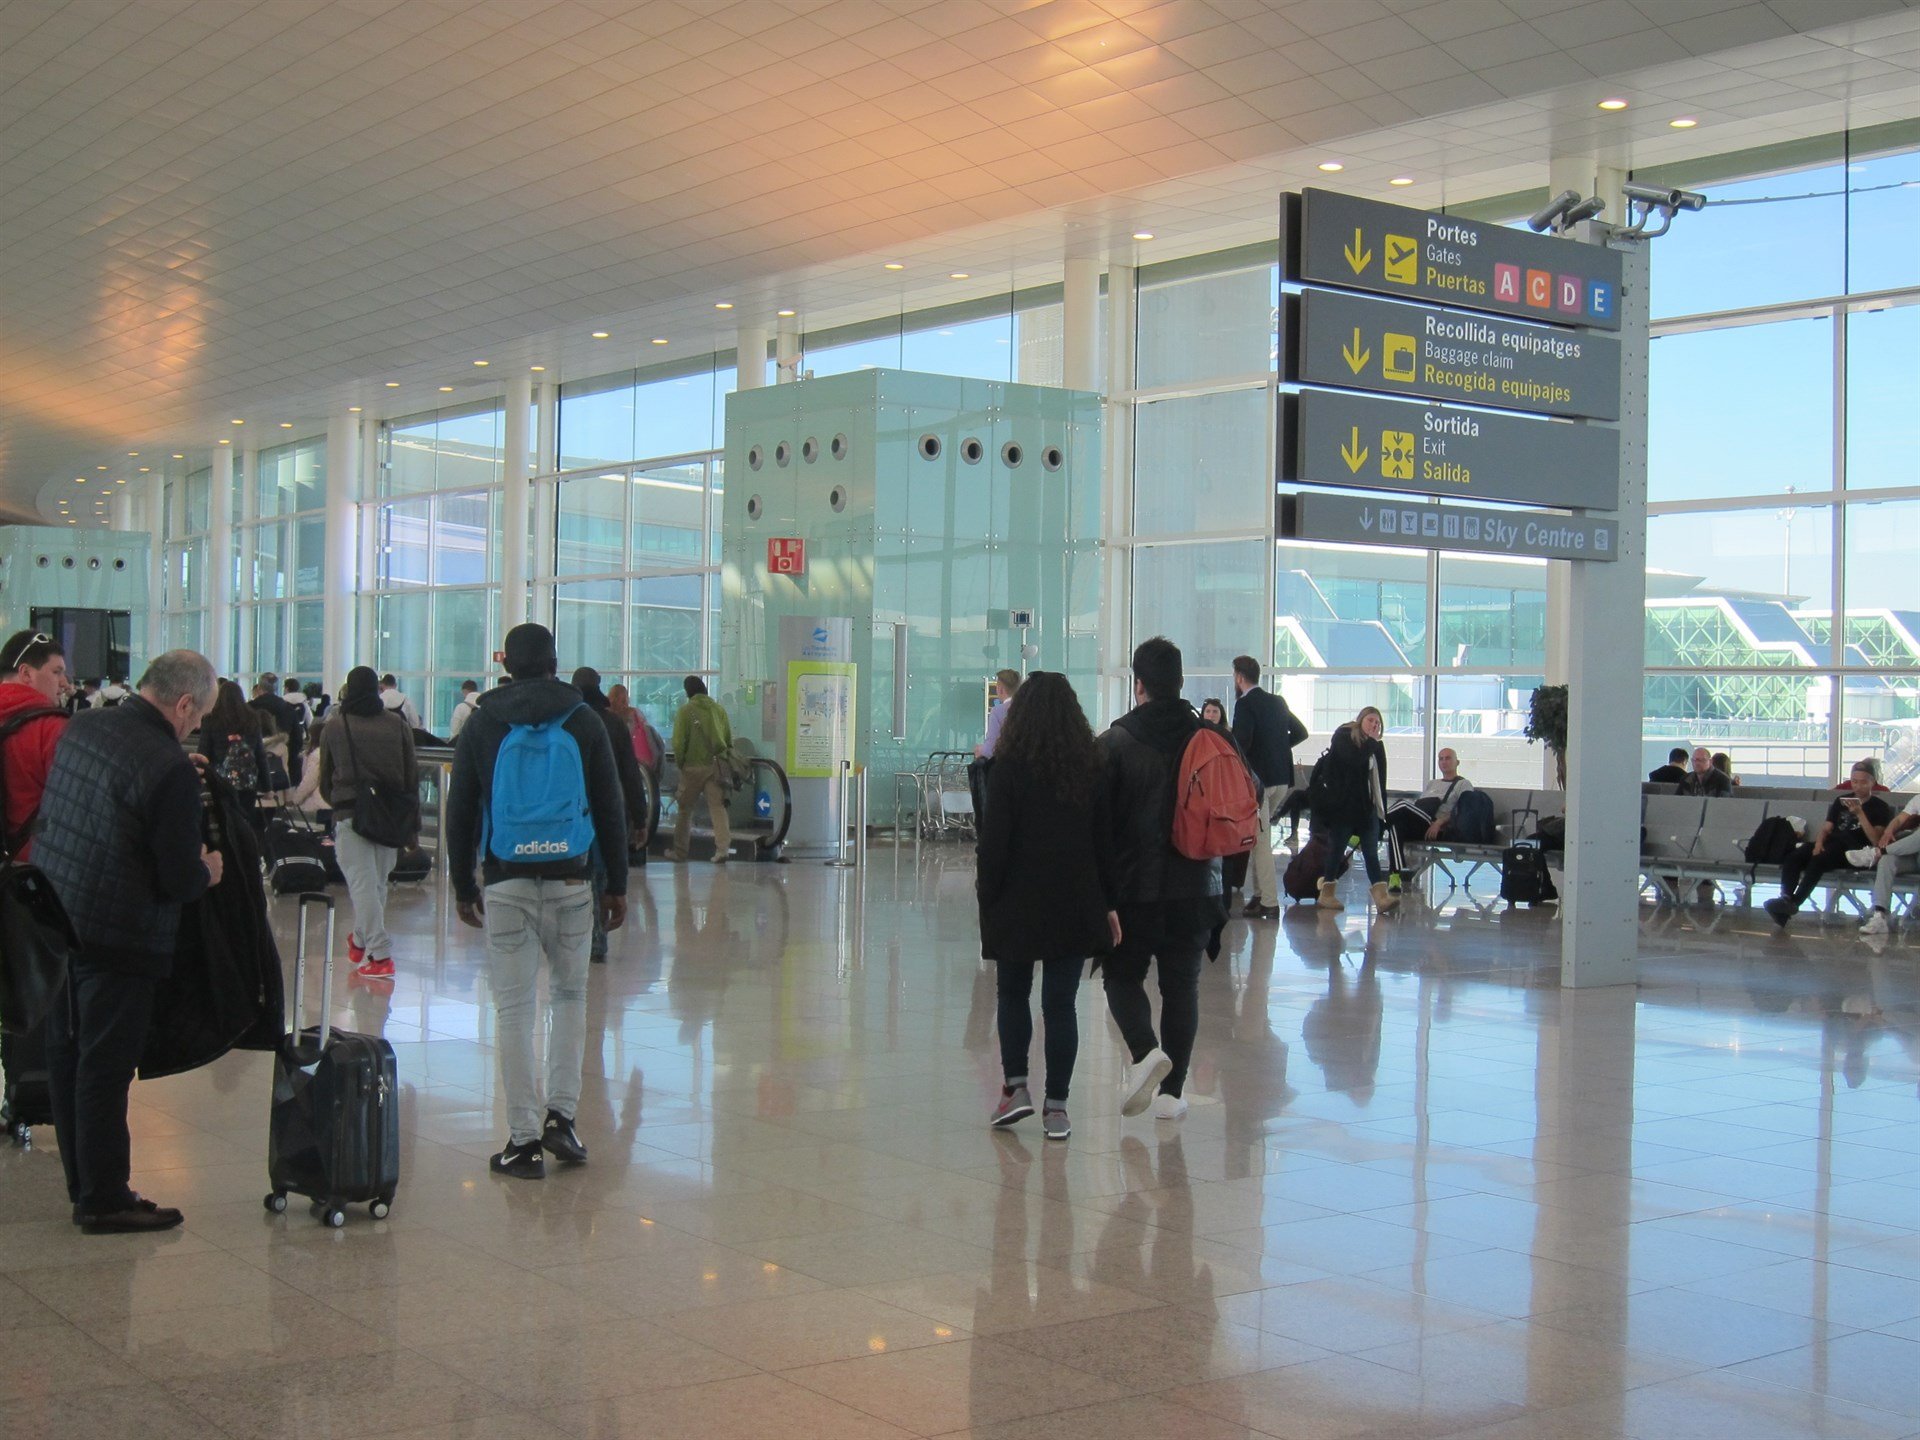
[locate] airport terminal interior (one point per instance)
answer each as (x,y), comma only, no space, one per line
(845,354)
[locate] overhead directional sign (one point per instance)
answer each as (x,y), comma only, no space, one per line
(1422,525)
(1363,344)
(1334,239)
(1330,438)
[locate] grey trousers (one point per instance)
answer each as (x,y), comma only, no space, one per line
(366,866)
(525,920)
(1903,853)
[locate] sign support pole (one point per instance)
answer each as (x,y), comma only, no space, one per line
(1606,678)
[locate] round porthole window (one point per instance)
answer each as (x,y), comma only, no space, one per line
(930,447)
(837,498)
(41,561)
(94,563)
(1011,454)
(120,564)
(809,449)
(753,507)
(838,447)
(756,457)
(66,562)
(971,450)
(782,454)
(1051,458)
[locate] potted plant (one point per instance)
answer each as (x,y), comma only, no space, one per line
(1547,723)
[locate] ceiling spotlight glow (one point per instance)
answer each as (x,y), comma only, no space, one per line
(226,442)
(659,340)
(723,304)
(600,335)
(133,454)
(239,422)
(1684,122)
(1143,234)
(353,409)
(144,470)
(1613,102)
(99,467)
(446,389)
(179,457)
(1332,167)
(537,369)
(393,384)
(786,314)
(79,479)
(286,424)
(893,265)
(483,363)
(1401,180)
(959,275)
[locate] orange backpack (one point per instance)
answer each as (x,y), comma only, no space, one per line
(1216,807)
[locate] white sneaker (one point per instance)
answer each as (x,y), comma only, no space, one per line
(1169,1107)
(1861,859)
(1140,1080)
(1876,924)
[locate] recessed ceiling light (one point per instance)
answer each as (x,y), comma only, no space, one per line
(537,369)
(446,389)
(786,314)
(226,442)
(1613,103)
(1332,167)
(1401,180)
(179,457)
(239,422)
(893,265)
(1143,234)
(1685,122)
(353,409)
(393,384)
(659,339)
(600,335)
(99,467)
(286,424)
(959,275)
(79,479)
(133,454)
(144,470)
(482,363)
(122,481)
(723,304)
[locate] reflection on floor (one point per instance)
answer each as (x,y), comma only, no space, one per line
(1421,1191)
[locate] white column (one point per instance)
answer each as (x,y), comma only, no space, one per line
(786,350)
(156,561)
(219,631)
(340,578)
(1606,678)
(547,405)
(244,587)
(513,506)
(750,357)
(1117,502)
(1080,310)
(120,513)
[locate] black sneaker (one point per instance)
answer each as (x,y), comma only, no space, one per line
(1780,909)
(560,1140)
(523,1162)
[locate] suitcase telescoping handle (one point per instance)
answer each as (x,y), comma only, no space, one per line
(300,974)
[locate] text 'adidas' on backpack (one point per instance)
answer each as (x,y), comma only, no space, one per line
(538,812)
(1216,805)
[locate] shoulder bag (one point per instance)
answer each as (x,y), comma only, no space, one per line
(382,813)
(37,940)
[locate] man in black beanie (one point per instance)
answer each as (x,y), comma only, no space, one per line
(534,779)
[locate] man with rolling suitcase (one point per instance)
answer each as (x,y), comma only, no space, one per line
(120,841)
(534,783)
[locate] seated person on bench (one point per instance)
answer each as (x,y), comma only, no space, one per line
(1704,778)
(1856,821)
(1885,857)
(1429,816)
(1674,772)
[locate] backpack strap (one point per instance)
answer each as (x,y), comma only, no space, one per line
(11,841)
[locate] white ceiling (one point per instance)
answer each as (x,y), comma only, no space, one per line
(267,209)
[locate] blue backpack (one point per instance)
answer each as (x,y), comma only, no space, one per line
(539,813)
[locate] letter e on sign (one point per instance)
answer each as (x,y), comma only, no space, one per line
(787,555)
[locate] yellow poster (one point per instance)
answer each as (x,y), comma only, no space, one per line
(820,699)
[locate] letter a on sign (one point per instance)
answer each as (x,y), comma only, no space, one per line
(1506,283)
(787,555)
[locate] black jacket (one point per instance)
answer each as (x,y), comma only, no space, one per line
(1045,878)
(1668,774)
(1349,796)
(1710,782)
(632,785)
(120,835)
(530,702)
(1267,731)
(1142,751)
(291,718)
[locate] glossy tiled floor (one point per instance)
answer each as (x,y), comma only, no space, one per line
(1422,1191)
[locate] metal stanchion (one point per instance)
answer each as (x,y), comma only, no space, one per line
(840,860)
(860,818)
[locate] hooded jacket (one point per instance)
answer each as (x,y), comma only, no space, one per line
(530,702)
(27,755)
(625,762)
(1142,751)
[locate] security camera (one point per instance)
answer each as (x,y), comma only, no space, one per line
(1589,209)
(1546,216)
(1665,199)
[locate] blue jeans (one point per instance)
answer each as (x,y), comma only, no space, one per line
(1368,829)
(1059,985)
(525,919)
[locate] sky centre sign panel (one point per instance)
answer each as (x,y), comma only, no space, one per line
(1423,525)
(1343,240)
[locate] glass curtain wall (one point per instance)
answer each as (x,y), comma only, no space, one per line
(1782,621)
(280,549)
(432,531)
(183,585)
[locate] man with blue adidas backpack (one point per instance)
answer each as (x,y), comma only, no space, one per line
(534,791)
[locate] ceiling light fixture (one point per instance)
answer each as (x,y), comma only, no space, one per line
(133,454)
(144,470)
(786,314)
(239,422)
(893,265)
(286,424)
(1613,102)
(537,369)
(1684,122)
(393,384)
(959,275)
(179,457)
(1143,234)
(1401,180)
(353,409)
(79,479)
(659,339)
(226,442)
(99,467)
(483,363)
(723,304)
(600,335)
(446,389)
(1332,167)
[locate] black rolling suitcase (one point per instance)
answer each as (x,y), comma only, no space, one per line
(334,1131)
(299,854)
(28,1102)
(1523,875)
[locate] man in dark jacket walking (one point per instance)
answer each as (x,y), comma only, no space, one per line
(120,841)
(514,788)
(1267,731)
(587,681)
(1169,904)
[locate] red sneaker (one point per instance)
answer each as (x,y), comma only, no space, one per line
(356,952)
(378,969)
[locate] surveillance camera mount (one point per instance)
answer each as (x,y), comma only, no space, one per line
(1650,209)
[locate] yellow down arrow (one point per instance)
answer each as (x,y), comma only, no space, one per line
(1358,256)
(1356,354)
(1354,453)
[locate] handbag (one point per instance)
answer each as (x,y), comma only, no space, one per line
(37,939)
(729,771)
(383,814)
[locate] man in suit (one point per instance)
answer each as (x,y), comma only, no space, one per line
(1267,731)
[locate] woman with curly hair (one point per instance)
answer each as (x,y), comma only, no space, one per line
(1046,886)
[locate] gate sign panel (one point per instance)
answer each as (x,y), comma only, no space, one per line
(1361,344)
(1422,525)
(786,555)
(1334,239)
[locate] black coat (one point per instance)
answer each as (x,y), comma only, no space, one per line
(1046,875)
(1348,797)
(1143,750)
(1267,730)
(632,785)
